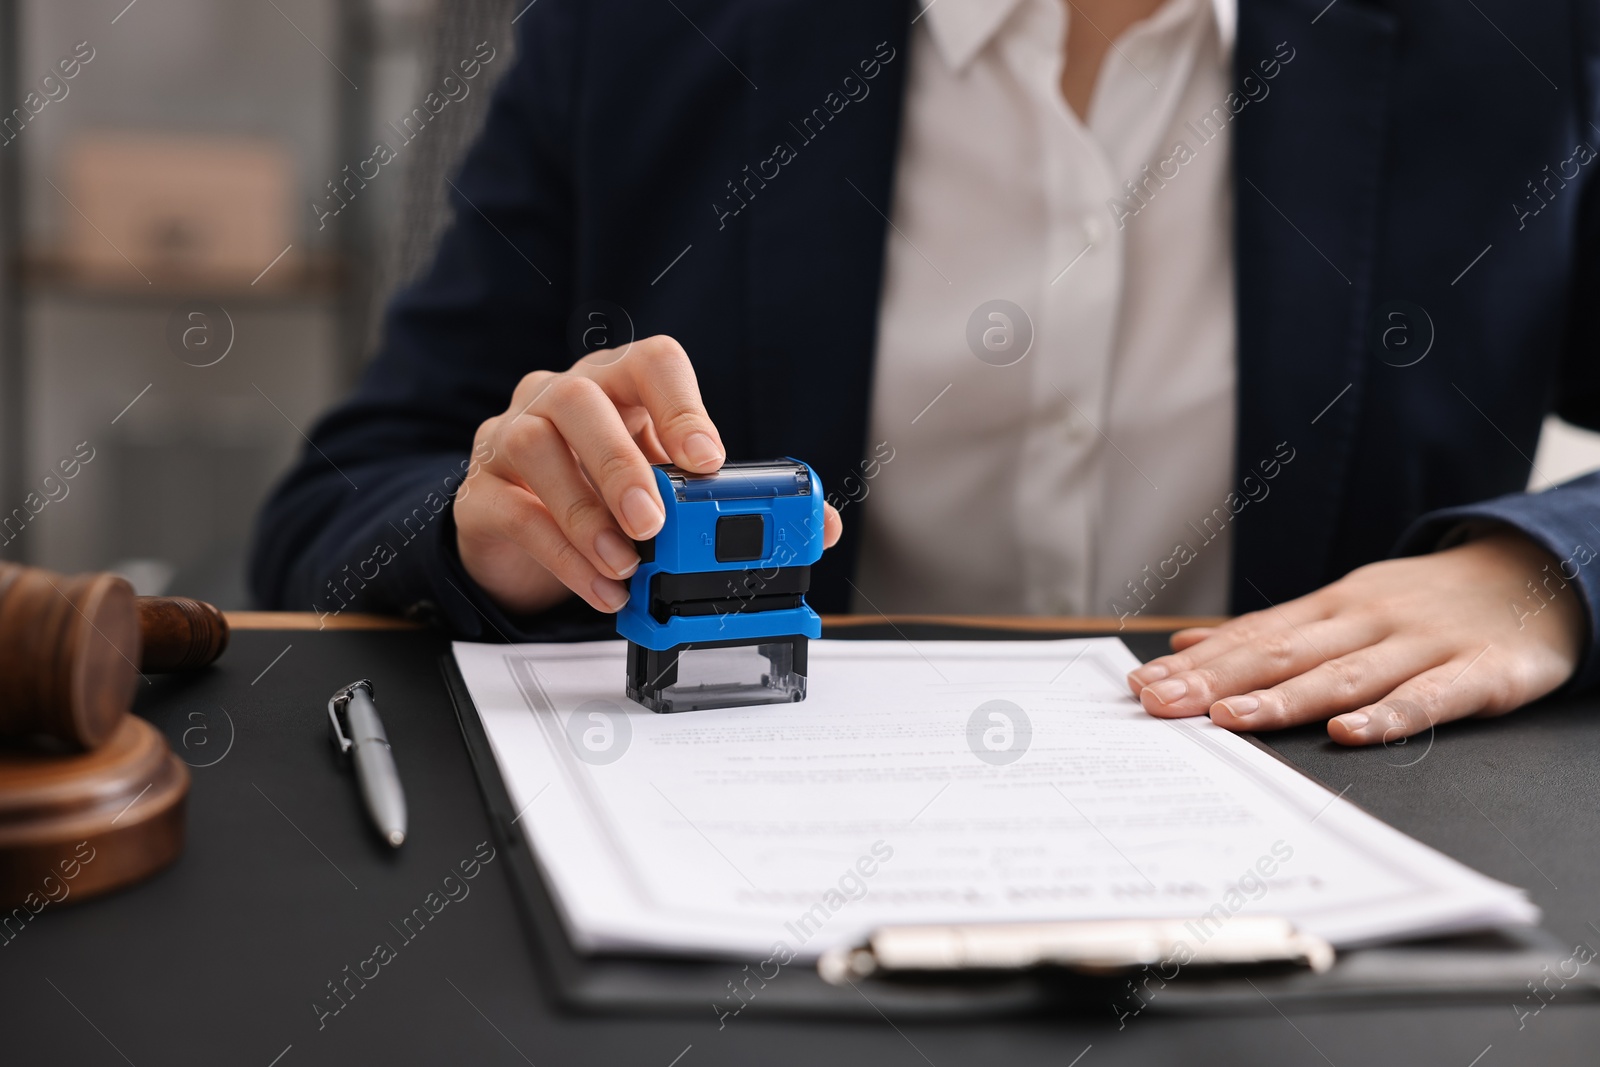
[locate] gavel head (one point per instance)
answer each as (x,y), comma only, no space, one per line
(69,649)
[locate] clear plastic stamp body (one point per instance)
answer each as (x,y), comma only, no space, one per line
(718,674)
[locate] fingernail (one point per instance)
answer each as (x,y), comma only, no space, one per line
(612,594)
(1151,672)
(702,451)
(618,554)
(1168,691)
(1354,721)
(1240,707)
(642,513)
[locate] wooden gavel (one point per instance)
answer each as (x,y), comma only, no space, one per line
(72,650)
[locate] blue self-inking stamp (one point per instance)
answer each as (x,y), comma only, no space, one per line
(716,614)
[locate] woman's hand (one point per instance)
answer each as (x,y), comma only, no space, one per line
(567,487)
(1385,652)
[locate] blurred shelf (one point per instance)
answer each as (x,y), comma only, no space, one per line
(319,278)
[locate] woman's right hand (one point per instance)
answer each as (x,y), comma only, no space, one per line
(567,485)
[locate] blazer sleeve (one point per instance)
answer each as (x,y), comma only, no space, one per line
(1564,519)
(363,521)
(1561,520)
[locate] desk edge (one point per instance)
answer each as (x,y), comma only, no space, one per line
(310,620)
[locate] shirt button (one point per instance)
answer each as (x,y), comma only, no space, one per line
(1094,228)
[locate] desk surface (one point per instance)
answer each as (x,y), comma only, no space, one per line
(220,959)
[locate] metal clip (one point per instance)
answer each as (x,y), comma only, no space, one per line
(336,703)
(1086,946)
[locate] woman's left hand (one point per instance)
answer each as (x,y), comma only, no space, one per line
(1387,651)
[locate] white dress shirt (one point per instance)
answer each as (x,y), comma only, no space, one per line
(1050,485)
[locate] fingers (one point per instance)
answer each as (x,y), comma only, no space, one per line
(645,437)
(1236,633)
(587,406)
(1339,685)
(832,526)
(1245,667)
(656,374)
(541,456)
(1448,691)
(572,412)
(505,513)
(1193,636)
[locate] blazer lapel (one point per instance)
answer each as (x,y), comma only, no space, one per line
(822,137)
(812,204)
(1308,169)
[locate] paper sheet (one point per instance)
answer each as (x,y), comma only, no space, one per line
(930,782)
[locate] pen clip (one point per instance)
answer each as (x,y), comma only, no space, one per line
(336,704)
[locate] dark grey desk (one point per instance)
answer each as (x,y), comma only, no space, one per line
(221,959)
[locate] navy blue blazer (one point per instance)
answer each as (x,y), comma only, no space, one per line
(1408,156)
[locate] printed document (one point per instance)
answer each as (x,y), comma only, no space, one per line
(930,782)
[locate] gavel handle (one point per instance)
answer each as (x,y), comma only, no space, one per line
(180,634)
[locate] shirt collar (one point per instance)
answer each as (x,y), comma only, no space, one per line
(961,28)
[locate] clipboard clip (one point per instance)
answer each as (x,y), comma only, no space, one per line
(1089,947)
(336,705)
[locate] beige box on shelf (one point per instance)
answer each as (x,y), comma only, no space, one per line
(176,209)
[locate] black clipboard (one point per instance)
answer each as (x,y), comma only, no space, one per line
(1494,966)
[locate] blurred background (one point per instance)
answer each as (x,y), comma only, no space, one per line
(197,233)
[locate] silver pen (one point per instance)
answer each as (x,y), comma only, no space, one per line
(362,731)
